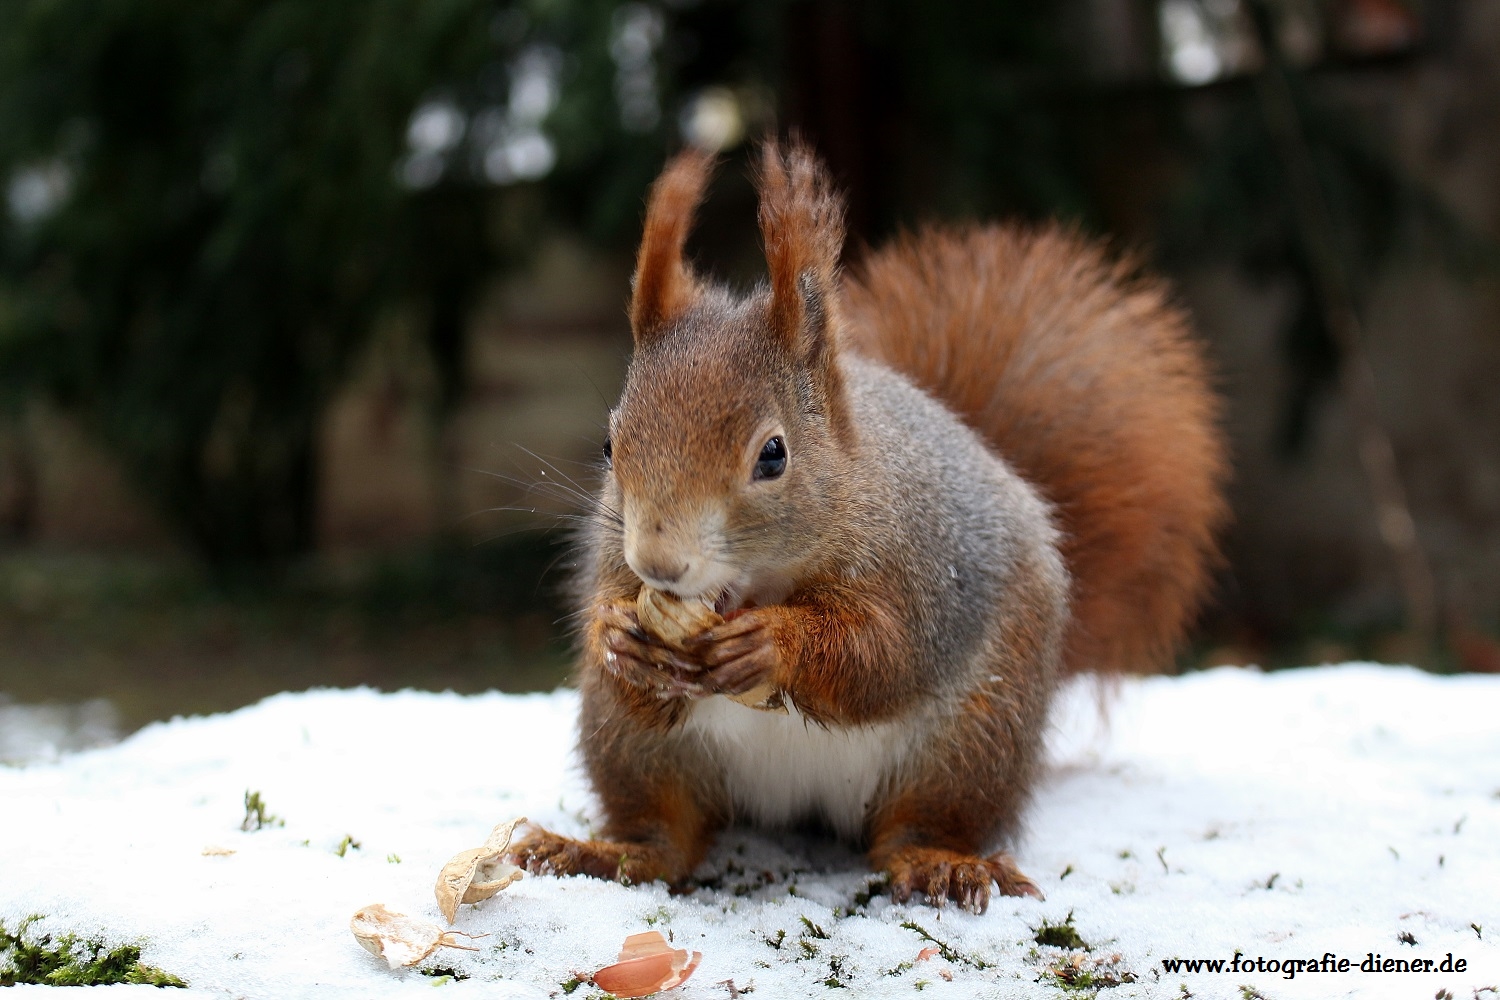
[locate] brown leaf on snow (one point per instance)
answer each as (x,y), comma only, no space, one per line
(478,873)
(647,965)
(402,940)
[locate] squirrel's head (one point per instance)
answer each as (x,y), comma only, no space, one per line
(733,423)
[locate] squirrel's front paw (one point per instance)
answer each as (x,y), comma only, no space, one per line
(741,654)
(641,660)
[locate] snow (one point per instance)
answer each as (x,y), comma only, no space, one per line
(1282,815)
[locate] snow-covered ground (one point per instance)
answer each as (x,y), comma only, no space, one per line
(1341,811)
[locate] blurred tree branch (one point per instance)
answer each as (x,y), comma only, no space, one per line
(1315,229)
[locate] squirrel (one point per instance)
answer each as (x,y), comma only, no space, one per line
(917,496)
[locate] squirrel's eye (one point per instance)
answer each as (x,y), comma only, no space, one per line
(772,461)
(609,453)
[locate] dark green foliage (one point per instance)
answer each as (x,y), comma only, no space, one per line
(233,230)
(70,961)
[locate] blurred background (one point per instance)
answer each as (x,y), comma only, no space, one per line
(311,311)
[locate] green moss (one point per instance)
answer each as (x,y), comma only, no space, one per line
(944,949)
(257,816)
(1076,976)
(1061,935)
(41,960)
(813,930)
(872,888)
(444,974)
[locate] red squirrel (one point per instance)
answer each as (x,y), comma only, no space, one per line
(916,496)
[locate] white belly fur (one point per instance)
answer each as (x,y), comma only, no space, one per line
(780,769)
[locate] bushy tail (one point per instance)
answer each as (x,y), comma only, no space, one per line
(1088,381)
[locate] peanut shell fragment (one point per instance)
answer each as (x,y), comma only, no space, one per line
(675,621)
(671,619)
(647,965)
(402,940)
(456,883)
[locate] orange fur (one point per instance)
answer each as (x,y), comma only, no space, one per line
(1086,379)
(802,227)
(664,284)
(802,224)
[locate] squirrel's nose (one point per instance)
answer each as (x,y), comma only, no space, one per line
(660,574)
(664,554)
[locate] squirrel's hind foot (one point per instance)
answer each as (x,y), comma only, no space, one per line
(938,875)
(542,852)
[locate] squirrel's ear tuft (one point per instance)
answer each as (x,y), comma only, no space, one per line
(664,284)
(802,224)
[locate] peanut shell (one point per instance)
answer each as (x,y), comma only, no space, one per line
(674,621)
(478,873)
(671,619)
(402,940)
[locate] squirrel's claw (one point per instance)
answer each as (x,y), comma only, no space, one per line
(939,875)
(740,654)
(738,657)
(743,674)
(635,657)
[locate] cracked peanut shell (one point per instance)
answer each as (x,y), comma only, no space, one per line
(674,621)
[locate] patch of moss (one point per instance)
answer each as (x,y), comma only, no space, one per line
(257,816)
(1062,935)
(946,950)
(813,930)
(444,973)
(873,887)
(67,960)
(1077,976)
